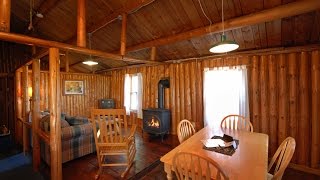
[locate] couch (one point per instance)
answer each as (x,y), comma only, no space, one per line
(77,137)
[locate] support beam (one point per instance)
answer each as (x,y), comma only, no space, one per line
(123,41)
(25,109)
(153,53)
(67,47)
(275,13)
(81,22)
(5,10)
(35,113)
(67,61)
(18,104)
(55,111)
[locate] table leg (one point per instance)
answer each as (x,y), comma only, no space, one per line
(167,169)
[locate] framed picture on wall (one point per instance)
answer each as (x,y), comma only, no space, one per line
(71,87)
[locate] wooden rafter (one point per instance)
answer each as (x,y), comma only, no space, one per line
(81,24)
(53,44)
(275,13)
(5,10)
(128,8)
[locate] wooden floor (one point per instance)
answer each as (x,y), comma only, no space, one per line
(149,151)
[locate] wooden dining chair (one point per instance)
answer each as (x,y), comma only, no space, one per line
(283,157)
(236,122)
(113,137)
(187,165)
(185,130)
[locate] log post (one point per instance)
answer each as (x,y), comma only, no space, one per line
(81,22)
(153,53)
(315,115)
(36,113)
(5,10)
(55,108)
(18,108)
(123,40)
(283,99)
(25,109)
(67,61)
(304,101)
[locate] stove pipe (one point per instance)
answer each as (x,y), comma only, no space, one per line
(163,83)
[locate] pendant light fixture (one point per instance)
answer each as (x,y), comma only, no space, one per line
(225,45)
(90,62)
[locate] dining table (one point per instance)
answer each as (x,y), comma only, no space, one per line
(249,161)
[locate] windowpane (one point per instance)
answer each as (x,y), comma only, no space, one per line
(134,101)
(133,93)
(134,87)
(224,94)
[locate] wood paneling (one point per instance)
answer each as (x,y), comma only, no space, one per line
(95,87)
(283,95)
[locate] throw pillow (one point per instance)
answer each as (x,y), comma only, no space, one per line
(74,120)
(45,123)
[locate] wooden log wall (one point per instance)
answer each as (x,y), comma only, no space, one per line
(11,57)
(284,96)
(95,87)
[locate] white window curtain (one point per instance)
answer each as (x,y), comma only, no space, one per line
(133,93)
(225,92)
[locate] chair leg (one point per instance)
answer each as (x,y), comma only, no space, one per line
(127,169)
(99,172)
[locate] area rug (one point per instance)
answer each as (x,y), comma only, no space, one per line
(146,170)
(18,167)
(14,161)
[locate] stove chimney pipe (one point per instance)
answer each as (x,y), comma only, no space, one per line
(163,83)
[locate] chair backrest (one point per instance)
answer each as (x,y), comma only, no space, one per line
(236,122)
(189,165)
(185,130)
(109,125)
(283,157)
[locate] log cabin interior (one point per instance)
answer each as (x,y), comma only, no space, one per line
(139,46)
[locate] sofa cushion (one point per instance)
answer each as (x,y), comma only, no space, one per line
(76,120)
(64,123)
(76,131)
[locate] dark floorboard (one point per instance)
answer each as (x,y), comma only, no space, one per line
(146,166)
(149,150)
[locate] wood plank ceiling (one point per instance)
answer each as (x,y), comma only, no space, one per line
(162,18)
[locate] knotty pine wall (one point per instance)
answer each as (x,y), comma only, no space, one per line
(284,93)
(95,87)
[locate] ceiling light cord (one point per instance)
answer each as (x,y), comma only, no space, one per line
(222,16)
(90,61)
(30,27)
(205,15)
(89,34)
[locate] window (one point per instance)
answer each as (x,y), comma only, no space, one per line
(225,92)
(133,93)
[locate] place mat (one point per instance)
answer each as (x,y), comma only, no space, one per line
(223,150)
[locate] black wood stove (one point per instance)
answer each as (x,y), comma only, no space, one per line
(157,120)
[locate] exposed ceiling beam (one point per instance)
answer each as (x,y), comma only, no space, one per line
(130,7)
(275,13)
(44,8)
(49,44)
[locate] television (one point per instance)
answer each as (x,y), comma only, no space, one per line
(106,103)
